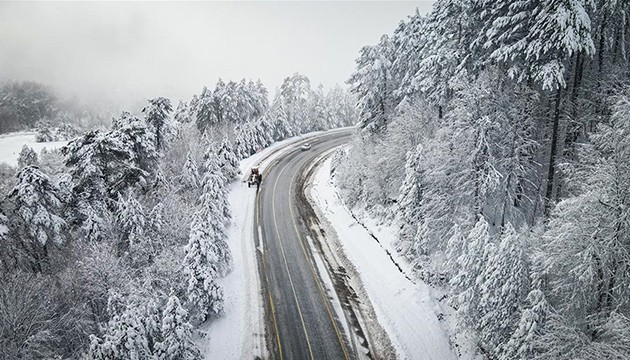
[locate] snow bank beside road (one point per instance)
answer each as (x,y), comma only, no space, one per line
(11,145)
(406,307)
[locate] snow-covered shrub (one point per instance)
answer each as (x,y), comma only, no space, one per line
(47,132)
(27,157)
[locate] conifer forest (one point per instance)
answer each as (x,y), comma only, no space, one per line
(487,152)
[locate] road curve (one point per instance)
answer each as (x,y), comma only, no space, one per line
(301,322)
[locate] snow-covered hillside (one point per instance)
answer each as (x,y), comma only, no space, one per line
(11,145)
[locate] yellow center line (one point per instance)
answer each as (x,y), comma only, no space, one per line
(286,265)
(319,285)
(264,268)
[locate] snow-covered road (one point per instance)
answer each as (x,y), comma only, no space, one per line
(240,332)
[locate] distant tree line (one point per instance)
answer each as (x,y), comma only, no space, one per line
(494,133)
(30,105)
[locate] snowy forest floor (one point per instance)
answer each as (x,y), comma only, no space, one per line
(11,145)
(406,307)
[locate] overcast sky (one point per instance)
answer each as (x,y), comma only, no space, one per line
(138,50)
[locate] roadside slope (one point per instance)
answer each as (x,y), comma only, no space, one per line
(405,307)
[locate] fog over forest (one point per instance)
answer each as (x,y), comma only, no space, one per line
(124,53)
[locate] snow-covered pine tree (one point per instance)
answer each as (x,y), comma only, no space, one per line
(125,119)
(373,85)
(411,198)
(36,218)
(536,309)
(161,182)
(205,109)
(469,279)
(319,117)
(448,34)
(410,40)
(182,113)
(214,220)
(177,341)
(138,163)
(105,164)
(504,288)
(505,25)
(340,105)
(156,114)
(228,160)
(280,127)
(132,221)
(561,29)
(204,294)
(261,99)
(190,177)
(127,335)
(27,157)
(214,185)
(294,98)
(155,221)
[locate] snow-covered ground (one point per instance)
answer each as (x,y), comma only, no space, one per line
(11,145)
(239,333)
(406,307)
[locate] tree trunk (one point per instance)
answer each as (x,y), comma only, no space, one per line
(600,290)
(553,154)
(158,140)
(611,287)
(602,39)
(573,126)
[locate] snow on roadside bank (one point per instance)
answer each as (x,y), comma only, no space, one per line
(240,332)
(11,145)
(406,307)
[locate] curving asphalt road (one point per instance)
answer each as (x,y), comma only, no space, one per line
(301,322)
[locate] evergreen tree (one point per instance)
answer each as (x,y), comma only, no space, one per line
(503,290)
(214,185)
(561,29)
(532,320)
(205,109)
(449,32)
(228,160)
(177,334)
(190,175)
(27,157)
(156,114)
(182,113)
(127,336)
(294,99)
(204,294)
(472,264)
(373,85)
(36,218)
(132,222)
(411,196)
(156,218)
